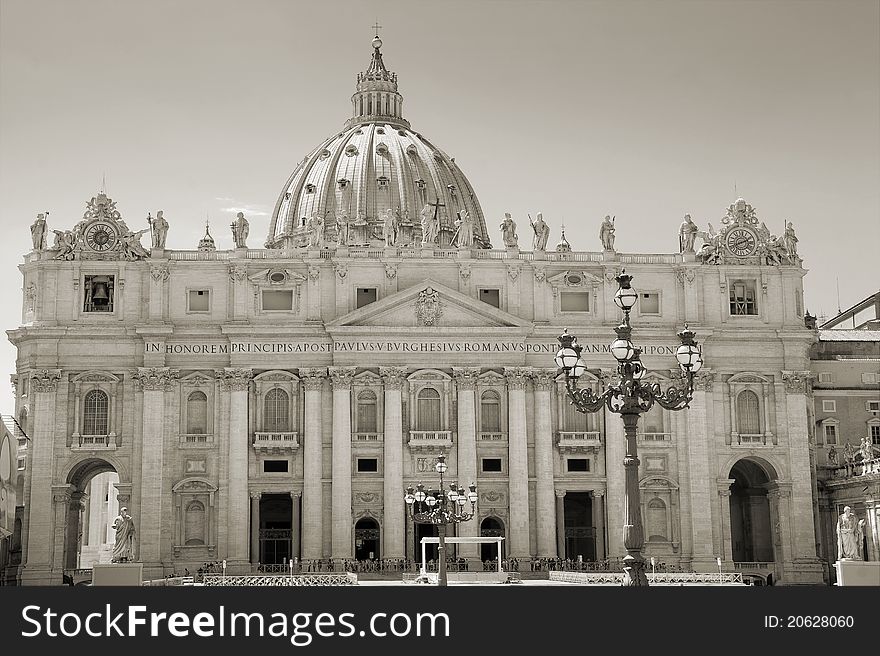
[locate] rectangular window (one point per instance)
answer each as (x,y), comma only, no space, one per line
(578,464)
(491,465)
(574,301)
(21,464)
(199,300)
(872,406)
(649,303)
(491,296)
(826,377)
(830,434)
(277,299)
(275,466)
(742,299)
(366,295)
(368,464)
(829,406)
(875,434)
(870,378)
(98,293)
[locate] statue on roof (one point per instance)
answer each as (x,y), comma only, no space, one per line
(542,232)
(240,228)
(687,233)
(132,249)
(390,226)
(790,240)
(315,226)
(158,229)
(343,226)
(430,225)
(38,232)
(508,232)
(65,243)
(464,230)
(606,233)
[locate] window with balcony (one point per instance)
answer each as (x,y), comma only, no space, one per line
(277,300)
(276,411)
(649,303)
(95,413)
(874,431)
(428,409)
(276,466)
(366,420)
(574,301)
(490,412)
(197,413)
(199,300)
(748,413)
(743,299)
(367,465)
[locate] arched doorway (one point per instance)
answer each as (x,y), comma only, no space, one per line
(93,504)
(366,539)
(751,534)
(491,527)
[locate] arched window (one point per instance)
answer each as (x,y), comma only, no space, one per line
(656,520)
(748,417)
(197,414)
(194,528)
(429,410)
(490,412)
(95,416)
(276,411)
(366,412)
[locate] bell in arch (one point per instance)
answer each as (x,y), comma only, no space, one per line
(100,292)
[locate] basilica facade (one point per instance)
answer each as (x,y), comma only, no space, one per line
(259,405)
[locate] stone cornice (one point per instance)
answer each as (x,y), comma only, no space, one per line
(155,378)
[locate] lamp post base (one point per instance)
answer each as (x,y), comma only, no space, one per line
(634,572)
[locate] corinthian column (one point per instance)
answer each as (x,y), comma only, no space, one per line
(518,461)
(154,382)
(313,466)
(38,531)
(237,383)
(466,382)
(393,528)
(340,507)
(545,509)
(699,474)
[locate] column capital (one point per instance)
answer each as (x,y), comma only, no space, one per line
(517,376)
(543,378)
(45,380)
(466,377)
(255,495)
(155,378)
(560,494)
(393,377)
(312,378)
(237,272)
(796,382)
(340,377)
(62,493)
(703,380)
(234,379)
(597,494)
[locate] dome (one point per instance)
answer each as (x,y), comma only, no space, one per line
(377,165)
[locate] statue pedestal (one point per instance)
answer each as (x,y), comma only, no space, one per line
(314,252)
(513,252)
(609,256)
(464,253)
(857,572)
(341,251)
(157,253)
(118,574)
(390,251)
(689,257)
(241,253)
(539,255)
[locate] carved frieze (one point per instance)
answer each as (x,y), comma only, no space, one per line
(314,273)
(464,270)
(540,274)
(390,271)
(237,272)
(513,272)
(341,271)
(155,378)
(160,272)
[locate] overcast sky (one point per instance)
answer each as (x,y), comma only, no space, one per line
(644,110)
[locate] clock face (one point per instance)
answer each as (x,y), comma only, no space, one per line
(101,236)
(741,242)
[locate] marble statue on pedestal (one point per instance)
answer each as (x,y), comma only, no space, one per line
(390,226)
(316,230)
(508,232)
(848,537)
(123,549)
(430,225)
(159,229)
(789,241)
(342,229)
(687,233)
(38,232)
(240,229)
(132,249)
(542,232)
(606,233)
(464,230)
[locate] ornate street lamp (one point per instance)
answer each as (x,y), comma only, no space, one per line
(630,397)
(441,507)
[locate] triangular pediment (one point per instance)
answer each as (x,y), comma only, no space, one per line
(430,304)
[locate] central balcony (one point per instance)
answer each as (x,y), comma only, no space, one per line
(579,440)
(434,439)
(275,442)
(93,442)
(759,440)
(361,438)
(655,439)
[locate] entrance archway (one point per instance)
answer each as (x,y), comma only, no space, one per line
(751,535)
(276,528)
(580,534)
(491,527)
(93,504)
(366,539)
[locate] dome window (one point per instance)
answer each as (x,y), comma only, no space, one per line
(451,188)
(401,133)
(358,131)
(351,151)
(310,188)
(380,131)
(287,195)
(324,154)
(382,150)
(411,150)
(382,181)
(342,182)
(420,183)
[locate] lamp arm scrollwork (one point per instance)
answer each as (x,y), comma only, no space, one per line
(675,397)
(584,399)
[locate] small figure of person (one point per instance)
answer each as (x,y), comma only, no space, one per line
(849,454)
(687,233)
(123,549)
(240,229)
(542,232)
(508,232)
(159,228)
(832,455)
(606,233)
(38,232)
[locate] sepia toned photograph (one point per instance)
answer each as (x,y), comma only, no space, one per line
(527,293)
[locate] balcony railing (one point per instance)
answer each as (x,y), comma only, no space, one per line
(856,469)
(94,442)
(657,439)
(753,565)
(751,440)
(491,437)
(196,439)
(579,440)
(275,441)
(366,437)
(430,438)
